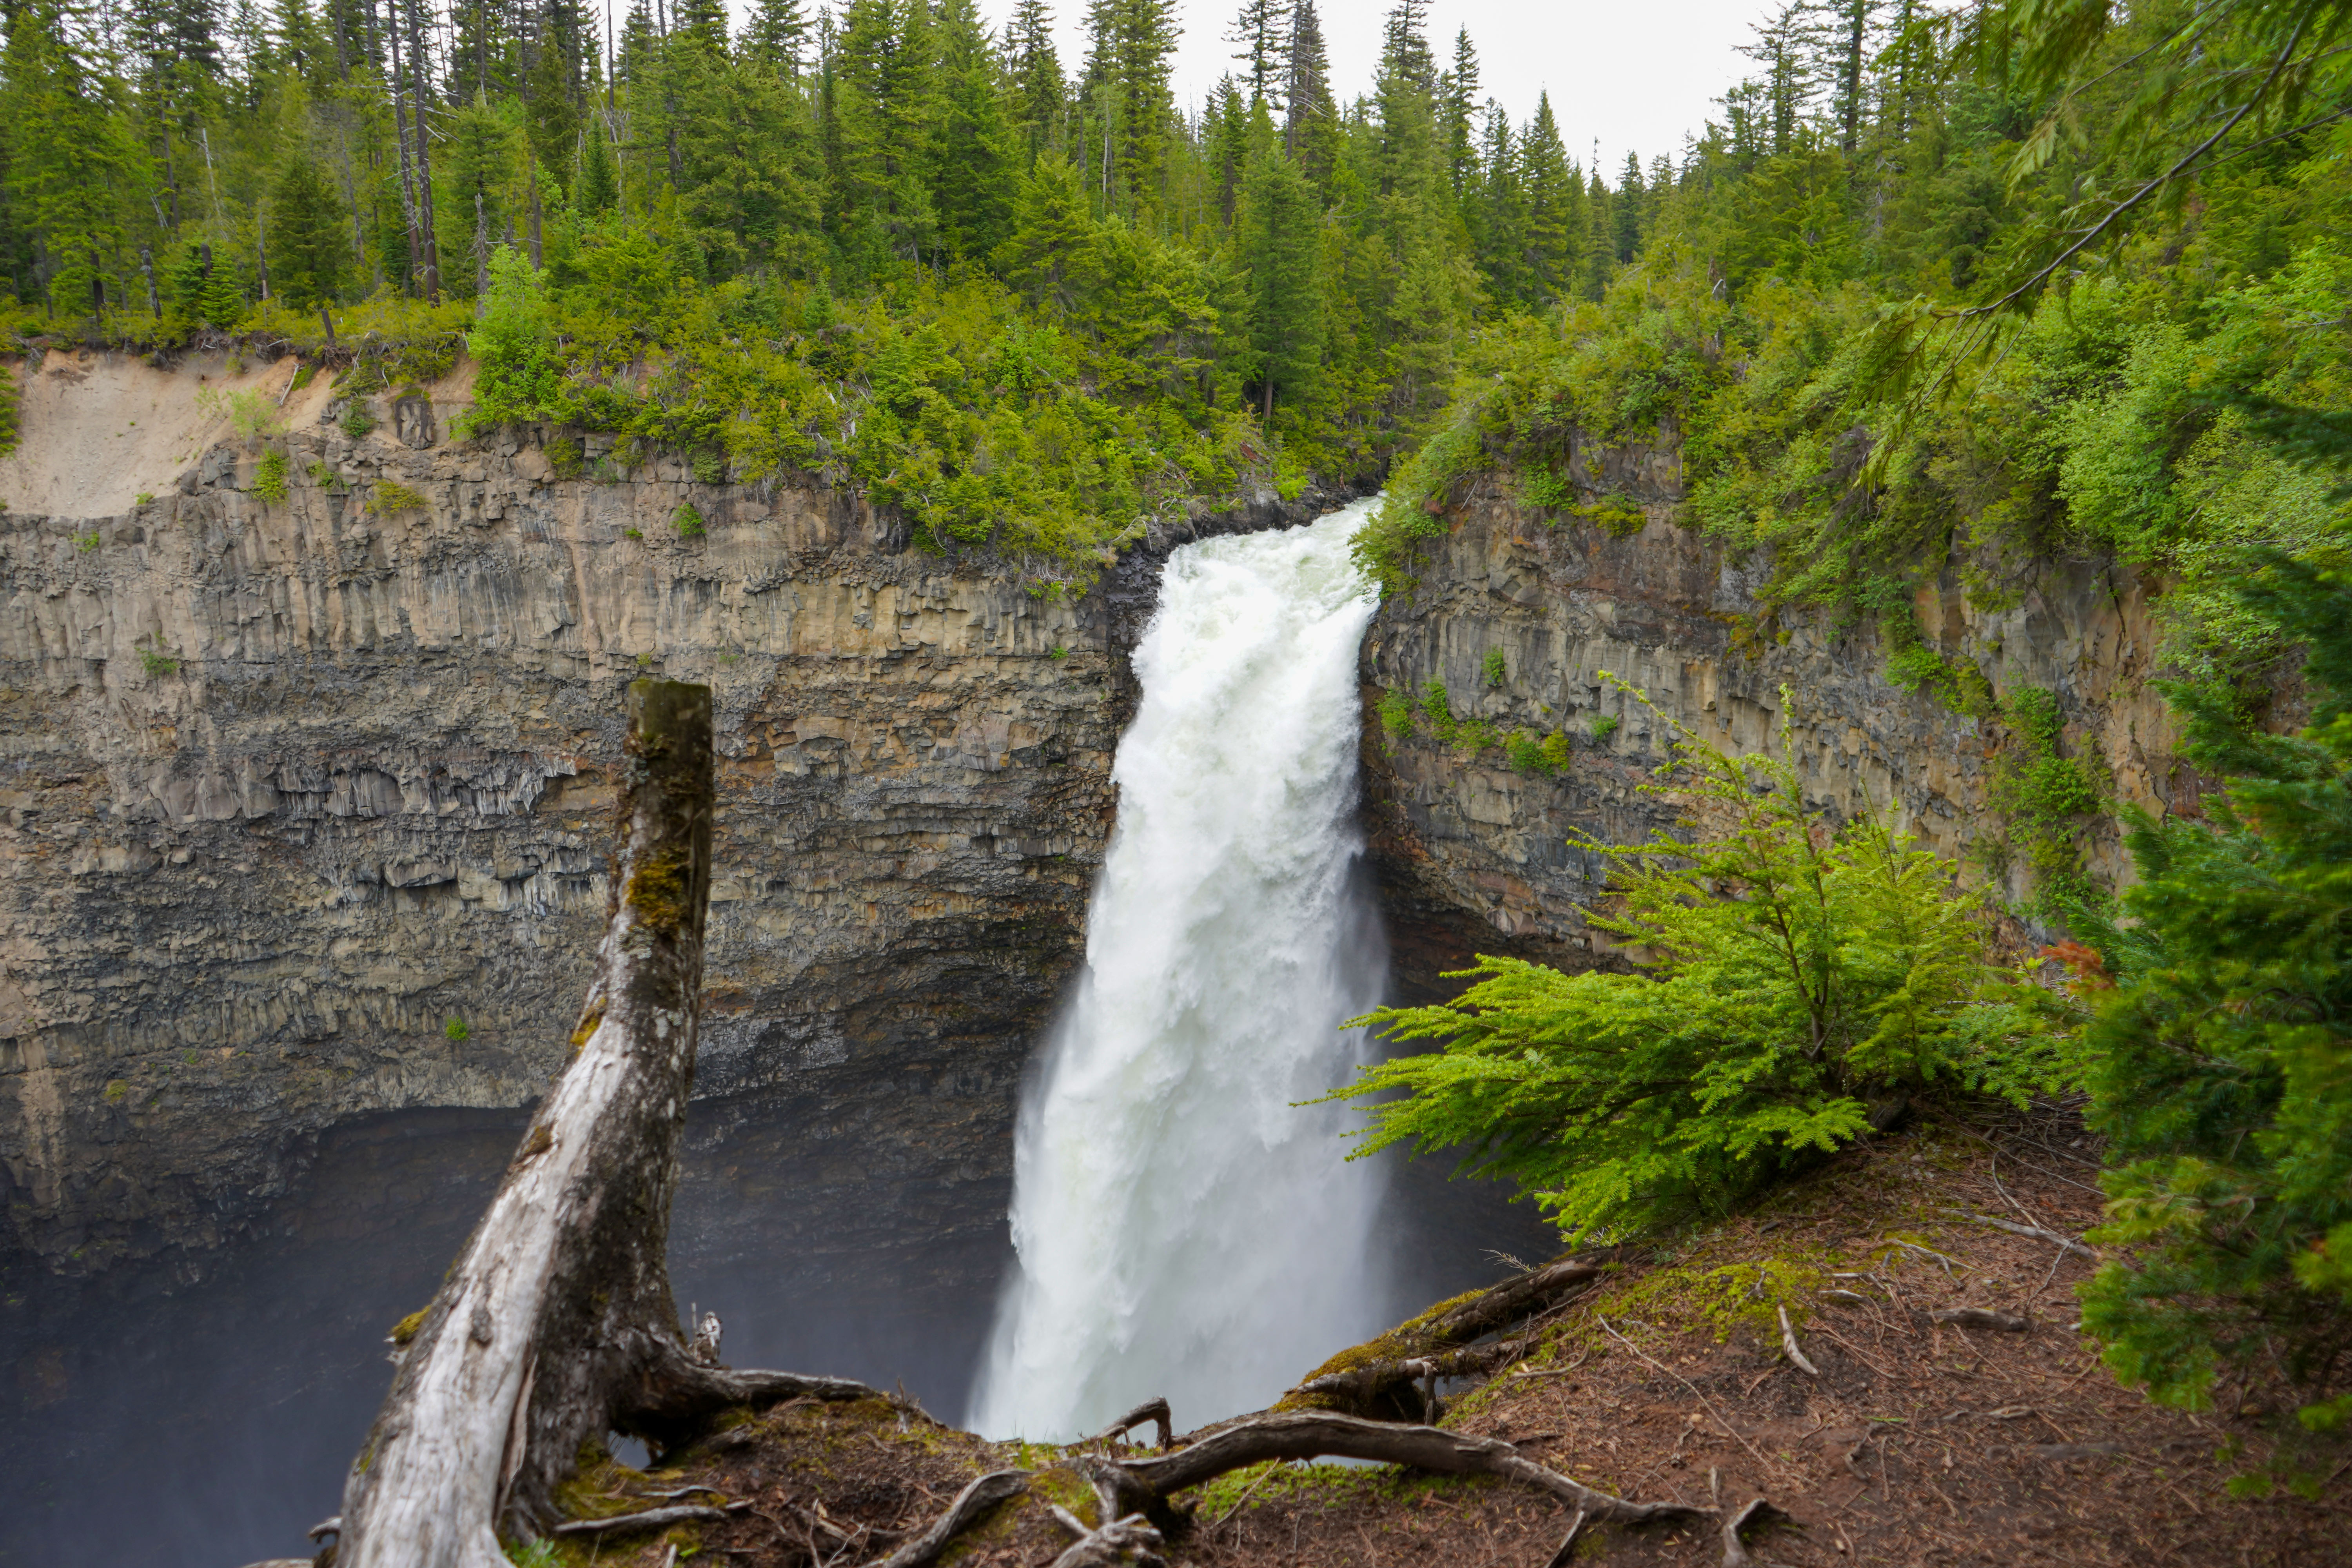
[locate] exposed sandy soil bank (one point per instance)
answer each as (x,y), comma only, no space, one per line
(1918,1442)
(96,431)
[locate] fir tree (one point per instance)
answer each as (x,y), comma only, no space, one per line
(1281,253)
(1458,95)
(774,38)
(1311,124)
(1554,242)
(1627,211)
(1038,86)
(310,247)
(972,148)
(1261,33)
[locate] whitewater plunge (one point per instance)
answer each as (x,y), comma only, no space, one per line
(1183,1227)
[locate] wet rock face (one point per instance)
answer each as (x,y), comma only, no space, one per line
(306,818)
(1459,835)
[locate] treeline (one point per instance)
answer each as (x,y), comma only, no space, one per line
(1286,281)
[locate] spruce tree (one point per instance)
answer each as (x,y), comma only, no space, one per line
(774,38)
(1281,252)
(551,118)
(973,156)
(598,188)
(1553,242)
(309,247)
(1498,217)
(1458,95)
(1038,86)
(1311,116)
(1626,216)
(1261,34)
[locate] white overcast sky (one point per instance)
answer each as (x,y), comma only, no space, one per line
(1631,75)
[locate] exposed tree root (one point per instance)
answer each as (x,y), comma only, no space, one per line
(1377,1379)
(1126,1541)
(970,1506)
(1151,1410)
(651,1519)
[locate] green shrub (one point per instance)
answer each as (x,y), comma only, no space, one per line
(563,458)
(251,414)
(1604,726)
(156,664)
(86,543)
(632,533)
(391,496)
(1527,753)
(2048,798)
(456,1029)
(1437,710)
(710,466)
(688,521)
(1495,669)
(146,498)
(356,421)
(1792,974)
(1396,715)
(2224,1058)
(270,476)
(302,375)
(1555,752)
(1546,488)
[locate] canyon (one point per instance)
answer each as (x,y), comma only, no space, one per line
(305,797)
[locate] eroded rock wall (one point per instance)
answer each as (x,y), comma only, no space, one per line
(305,819)
(1564,600)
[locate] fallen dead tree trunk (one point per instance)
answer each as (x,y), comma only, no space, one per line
(556,1323)
(1377,1379)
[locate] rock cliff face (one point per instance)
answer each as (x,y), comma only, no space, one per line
(305,809)
(1469,836)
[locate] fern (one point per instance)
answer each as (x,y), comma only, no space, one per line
(1791,976)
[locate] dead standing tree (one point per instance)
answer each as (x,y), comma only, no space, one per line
(557,1323)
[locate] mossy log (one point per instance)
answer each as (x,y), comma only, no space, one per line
(1377,1378)
(556,1324)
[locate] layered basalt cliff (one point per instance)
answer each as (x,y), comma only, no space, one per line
(1465,834)
(305,816)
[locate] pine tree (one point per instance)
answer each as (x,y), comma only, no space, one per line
(310,247)
(1554,242)
(1851,35)
(1601,234)
(598,188)
(774,38)
(881,87)
(1050,255)
(1038,86)
(70,153)
(1498,217)
(1311,125)
(1458,96)
(1129,45)
(1787,46)
(1262,32)
(973,146)
(1280,251)
(1628,211)
(551,118)
(1226,143)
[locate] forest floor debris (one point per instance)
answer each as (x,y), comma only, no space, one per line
(1931,1430)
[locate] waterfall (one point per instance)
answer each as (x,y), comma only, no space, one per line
(1183,1226)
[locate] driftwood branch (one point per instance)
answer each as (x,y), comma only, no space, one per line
(1788,1344)
(1307,1435)
(970,1507)
(556,1322)
(651,1519)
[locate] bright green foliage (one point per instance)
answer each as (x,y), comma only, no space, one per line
(2049,798)
(1396,715)
(1555,752)
(1604,726)
(270,476)
(2224,1076)
(688,521)
(1438,711)
(1791,974)
(458,1029)
(1494,668)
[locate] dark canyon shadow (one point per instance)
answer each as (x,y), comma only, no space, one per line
(205,1419)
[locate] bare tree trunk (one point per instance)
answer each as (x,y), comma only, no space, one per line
(557,1323)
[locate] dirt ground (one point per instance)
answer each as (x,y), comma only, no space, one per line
(1919,1441)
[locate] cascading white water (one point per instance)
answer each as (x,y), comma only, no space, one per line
(1183,1226)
